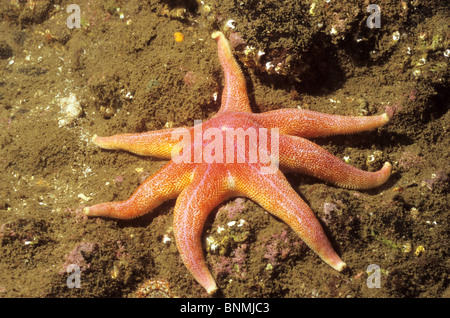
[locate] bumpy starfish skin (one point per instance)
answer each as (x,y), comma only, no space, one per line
(201,184)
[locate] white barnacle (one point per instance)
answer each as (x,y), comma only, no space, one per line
(447,53)
(230,24)
(248,49)
(212,243)
(166,239)
(70,110)
(396,36)
(269,65)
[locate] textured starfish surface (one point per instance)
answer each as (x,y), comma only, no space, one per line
(200,176)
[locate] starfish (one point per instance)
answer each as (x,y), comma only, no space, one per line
(199,176)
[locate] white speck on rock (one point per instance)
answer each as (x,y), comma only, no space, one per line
(70,110)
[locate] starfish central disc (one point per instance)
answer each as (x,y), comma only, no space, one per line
(228,139)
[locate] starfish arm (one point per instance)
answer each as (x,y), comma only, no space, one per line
(308,124)
(207,190)
(234,95)
(158,143)
(166,184)
(301,155)
(275,195)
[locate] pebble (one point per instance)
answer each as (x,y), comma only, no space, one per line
(70,110)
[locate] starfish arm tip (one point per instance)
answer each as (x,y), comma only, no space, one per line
(95,210)
(341,267)
(97,140)
(102,142)
(216,34)
(380,177)
(387,168)
(211,289)
(386,117)
(335,262)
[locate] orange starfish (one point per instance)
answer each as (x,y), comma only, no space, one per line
(201,178)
